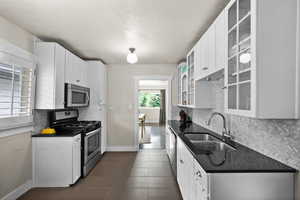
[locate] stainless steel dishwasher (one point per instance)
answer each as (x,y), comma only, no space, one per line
(173,151)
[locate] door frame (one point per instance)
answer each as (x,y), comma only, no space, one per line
(168,101)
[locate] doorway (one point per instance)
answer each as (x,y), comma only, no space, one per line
(152,111)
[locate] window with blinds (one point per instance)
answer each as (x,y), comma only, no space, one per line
(15,90)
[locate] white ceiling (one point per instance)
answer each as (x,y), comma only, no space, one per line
(162,31)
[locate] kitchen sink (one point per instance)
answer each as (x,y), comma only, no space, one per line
(208,143)
(212,145)
(199,137)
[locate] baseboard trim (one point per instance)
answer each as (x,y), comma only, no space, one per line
(19,191)
(121,148)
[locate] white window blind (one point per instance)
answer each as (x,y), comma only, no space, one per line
(15,90)
(17,84)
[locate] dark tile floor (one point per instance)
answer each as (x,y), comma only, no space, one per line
(144,175)
(157,137)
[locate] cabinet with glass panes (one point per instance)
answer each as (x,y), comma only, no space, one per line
(191,83)
(182,73)
(186,83)
(261,58)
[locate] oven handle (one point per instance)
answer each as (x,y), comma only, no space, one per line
(93,132)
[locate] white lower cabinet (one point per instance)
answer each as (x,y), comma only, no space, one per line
(184,171)
(167,140)
(56,161)
(200,182)
(196,184)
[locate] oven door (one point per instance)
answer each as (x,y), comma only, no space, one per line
(92,144)
(77,96)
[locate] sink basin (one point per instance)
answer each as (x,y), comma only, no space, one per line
(200,137)
(207,143)
(211,146)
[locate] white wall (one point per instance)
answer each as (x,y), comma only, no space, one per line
(15,151)
(16,35)
(121,99)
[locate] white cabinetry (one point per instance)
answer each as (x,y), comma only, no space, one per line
(76,156)
(184,171)
(200,182)
(220,32)
(168,141)
(196,184)
(56,161)
(182,69)
(97,110)
(193,94)
(76,70)
(50,75)
(260,72)
(210,49)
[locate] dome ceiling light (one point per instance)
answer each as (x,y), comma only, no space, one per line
(132,57)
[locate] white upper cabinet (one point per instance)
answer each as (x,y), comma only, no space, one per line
(211,49)
(182,69)
(190,75)
(220,33)
(76,70)
(50,75)
(261,69)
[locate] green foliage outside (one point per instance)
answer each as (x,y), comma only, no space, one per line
(148,99)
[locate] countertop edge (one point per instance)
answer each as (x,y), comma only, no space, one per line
(291,170)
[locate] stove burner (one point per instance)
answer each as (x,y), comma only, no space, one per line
(84,126)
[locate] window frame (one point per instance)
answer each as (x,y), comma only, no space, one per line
(15,56)
(150,91)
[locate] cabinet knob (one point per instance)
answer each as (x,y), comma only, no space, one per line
(77,81)
(181,161)
(204,68)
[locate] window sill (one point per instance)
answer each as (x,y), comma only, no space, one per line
(16,129)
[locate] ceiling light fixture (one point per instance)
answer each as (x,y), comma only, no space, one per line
(132,57)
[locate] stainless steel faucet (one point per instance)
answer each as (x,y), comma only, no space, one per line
(225,132)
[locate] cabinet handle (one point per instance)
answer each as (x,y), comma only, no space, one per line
(77,81)
(181,161)
(204,68)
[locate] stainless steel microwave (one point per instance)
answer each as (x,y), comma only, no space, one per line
(76,96)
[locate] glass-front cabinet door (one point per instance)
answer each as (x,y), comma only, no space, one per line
(191,83)
(238,71)
(182,73)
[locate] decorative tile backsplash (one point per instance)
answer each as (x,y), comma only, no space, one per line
(279,139)
(40,119)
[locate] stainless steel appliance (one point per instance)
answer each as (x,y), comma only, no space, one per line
(76,96)
(173,151)
(91,150)
(67,120)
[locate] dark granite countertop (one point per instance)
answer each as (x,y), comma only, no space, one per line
(242,160)
(59,133)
